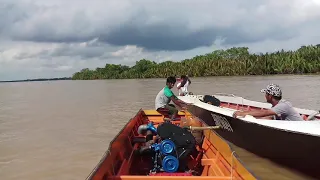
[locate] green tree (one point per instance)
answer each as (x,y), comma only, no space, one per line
(229,62)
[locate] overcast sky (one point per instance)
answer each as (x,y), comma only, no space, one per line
(54,38)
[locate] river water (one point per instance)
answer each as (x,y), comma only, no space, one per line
(60,129)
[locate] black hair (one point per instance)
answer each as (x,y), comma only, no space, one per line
(184,80)
(278,98)
(171,79)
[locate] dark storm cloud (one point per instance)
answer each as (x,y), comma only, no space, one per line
(156,38)
(174,31)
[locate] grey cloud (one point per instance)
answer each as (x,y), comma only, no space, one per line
(71,51)
(11,13)
(79,51)
(154,27)
(51,64)
(157,38)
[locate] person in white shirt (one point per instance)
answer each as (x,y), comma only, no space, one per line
(183,85)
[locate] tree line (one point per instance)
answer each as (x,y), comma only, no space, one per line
(230,62)
(39,79)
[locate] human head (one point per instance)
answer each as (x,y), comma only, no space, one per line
(171,81)
(273,91)
(183,77)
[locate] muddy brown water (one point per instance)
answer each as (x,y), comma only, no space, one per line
(60,129)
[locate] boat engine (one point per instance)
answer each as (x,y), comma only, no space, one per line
(171,148)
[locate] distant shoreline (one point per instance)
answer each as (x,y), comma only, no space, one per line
(237,61)
(227,63)
(39,79)
(249,75)
(69,78)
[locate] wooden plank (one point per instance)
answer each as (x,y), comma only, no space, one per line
(156,113)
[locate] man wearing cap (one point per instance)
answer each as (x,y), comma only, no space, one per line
(281,109)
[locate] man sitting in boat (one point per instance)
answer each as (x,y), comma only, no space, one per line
(281,109)
(165,96)
(183,85)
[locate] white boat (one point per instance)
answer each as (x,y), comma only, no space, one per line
(294,144)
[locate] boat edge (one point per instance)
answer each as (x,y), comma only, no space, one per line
(104,156)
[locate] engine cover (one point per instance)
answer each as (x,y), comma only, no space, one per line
(171,148)
(183,140)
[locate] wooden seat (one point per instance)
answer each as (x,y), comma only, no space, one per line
(163,111)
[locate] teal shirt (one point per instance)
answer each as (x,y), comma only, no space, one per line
(163,97)
(168,92)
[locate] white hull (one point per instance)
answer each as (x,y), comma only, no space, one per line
(306,127)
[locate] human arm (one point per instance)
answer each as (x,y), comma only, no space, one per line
(179,85)
(268,117)
(258,113)
(179,102)
(182,102)
(174,98)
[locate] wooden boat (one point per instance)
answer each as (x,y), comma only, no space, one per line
(212,157)
(291,144)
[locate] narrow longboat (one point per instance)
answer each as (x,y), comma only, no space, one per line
(149,147)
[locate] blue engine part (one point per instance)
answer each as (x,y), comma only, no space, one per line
(165,147)
(152,128)
(170,164)
(147,127)
(166,150)
(166,154)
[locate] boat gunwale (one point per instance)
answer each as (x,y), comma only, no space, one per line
(248,102)
(226,112)
(107,152)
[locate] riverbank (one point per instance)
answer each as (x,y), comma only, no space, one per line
(39,79)
(230,62)
(265,75)
(70,79)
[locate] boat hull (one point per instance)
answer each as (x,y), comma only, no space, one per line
(213,159)
(296,151)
